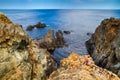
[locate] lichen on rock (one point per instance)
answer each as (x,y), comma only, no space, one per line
(81,67)
(20,57)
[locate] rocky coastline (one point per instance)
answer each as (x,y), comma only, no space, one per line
(104,45)
(22,58)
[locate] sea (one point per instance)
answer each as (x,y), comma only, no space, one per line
(78,21)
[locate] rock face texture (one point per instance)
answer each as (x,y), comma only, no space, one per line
(50,41)
(4,19)
(60,39)
(77,67)
(20,57)
(104,45)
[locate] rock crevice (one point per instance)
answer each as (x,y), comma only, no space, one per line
(20,57)
(104,45)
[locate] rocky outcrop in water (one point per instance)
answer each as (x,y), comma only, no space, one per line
(50,41)
(20,57)
(38,25)
(104,45)
(67,32)
(60,42)
(81,67)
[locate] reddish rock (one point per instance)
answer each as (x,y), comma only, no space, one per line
(81,67)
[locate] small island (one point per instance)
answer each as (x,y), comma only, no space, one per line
(38,25)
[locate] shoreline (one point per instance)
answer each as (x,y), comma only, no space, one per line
(33,62)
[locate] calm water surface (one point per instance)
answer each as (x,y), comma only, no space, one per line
(79,22)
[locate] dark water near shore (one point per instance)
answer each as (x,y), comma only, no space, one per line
(79,22)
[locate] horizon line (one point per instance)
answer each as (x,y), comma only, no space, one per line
(59,8)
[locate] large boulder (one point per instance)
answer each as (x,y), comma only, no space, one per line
(81,67)
(104,45)
(60,42)
(51,42)
(48,41)
(20,57)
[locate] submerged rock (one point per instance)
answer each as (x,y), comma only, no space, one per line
(104,45)
(89,34)
(20,57)
(81,67)
(67,32)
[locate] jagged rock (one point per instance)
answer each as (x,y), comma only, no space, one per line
(50,42)
(67,32)
(81,67)
(20,57)
(60,42)
(104,45)
(38,25)
(4,19)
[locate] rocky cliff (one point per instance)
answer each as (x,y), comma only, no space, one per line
(20,57)
(104,45)
(81,67)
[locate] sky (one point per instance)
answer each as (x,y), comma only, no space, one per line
(59,4)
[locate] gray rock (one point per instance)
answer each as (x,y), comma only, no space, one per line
(106,41)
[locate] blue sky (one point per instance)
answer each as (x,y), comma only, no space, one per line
(59,4)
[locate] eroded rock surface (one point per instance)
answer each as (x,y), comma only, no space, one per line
(104,45)
(4,19)
(81,67)
(50,41)
(20,57)
(60,42)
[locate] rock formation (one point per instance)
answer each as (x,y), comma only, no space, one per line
(50,41)
(67,32)
(60,42)
(20,57)
(81,67)
(30,27)
(4,19)
(38,25)
(104,45)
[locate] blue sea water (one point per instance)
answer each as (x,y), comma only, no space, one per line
(79,22)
